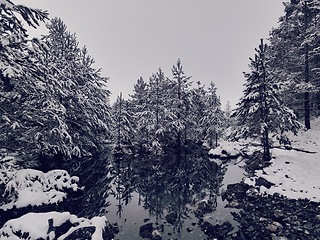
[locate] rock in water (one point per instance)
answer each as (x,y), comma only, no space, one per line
(146,230)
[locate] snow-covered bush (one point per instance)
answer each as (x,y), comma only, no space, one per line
(46,226)
(32,187)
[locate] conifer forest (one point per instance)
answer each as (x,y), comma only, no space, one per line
(168,162)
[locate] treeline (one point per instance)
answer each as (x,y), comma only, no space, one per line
(169,112)
(53,102)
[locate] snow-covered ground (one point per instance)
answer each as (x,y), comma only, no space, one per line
(295,174)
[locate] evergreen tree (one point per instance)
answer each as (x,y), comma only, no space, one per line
(82,90)
(53,101)
(227,109)
(124,128)
(140,102)
(158,97)
(294,47)
(198,103)
(260,111)
(213,119)
(179,105)
(21,73)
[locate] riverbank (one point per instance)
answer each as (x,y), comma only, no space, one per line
(295,170)
(271,216)
(280,199)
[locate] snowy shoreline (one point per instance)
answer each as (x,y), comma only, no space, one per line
(295,173)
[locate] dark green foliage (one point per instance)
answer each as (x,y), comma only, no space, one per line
(295,57)
(124,124)
(19,64)
(168,113)
(53,102)
(260,111)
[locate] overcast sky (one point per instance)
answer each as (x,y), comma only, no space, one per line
(131,38)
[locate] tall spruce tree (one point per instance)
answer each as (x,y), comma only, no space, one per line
(213,119)
(260,111)
(123,130)
(82,90)
(198,111)
(179,104)
(140,103)
(157,100)
(21,77)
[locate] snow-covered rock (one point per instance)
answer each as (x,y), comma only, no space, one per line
(32,187)
(225,150)
(50,225)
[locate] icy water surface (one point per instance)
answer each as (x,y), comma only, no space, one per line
(176,201)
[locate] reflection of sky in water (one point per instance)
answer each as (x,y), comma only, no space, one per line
(133,214)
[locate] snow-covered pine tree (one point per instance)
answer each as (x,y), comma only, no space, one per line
(143,114)
(294,46)
(198,103)
(312,54)
(157,102)
(82,90)
(213,119)
(20,75)
(156,95)
(123,131)
(260,111)
(179,104)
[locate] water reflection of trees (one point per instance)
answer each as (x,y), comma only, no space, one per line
(121,175)
(167,190)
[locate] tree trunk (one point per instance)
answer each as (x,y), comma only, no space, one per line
(306,75)
(267,155)
(119,121)
(216,139)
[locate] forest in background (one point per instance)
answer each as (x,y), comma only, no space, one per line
(55,104)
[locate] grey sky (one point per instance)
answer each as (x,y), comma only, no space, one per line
(131,38)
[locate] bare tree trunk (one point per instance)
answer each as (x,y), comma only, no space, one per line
(306,74)
(216,139)
(119,120)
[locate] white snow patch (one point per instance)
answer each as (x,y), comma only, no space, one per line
(216,151)
(37,225)
(295,173)
(231,148)
(32,187)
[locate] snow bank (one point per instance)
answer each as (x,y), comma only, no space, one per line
(43,225)
(307,140)
(226,150)
(295,173)
(32,187)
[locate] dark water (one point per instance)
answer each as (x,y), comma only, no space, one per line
(168,191)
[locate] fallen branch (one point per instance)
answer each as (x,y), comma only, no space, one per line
(292,148)
(285,148)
